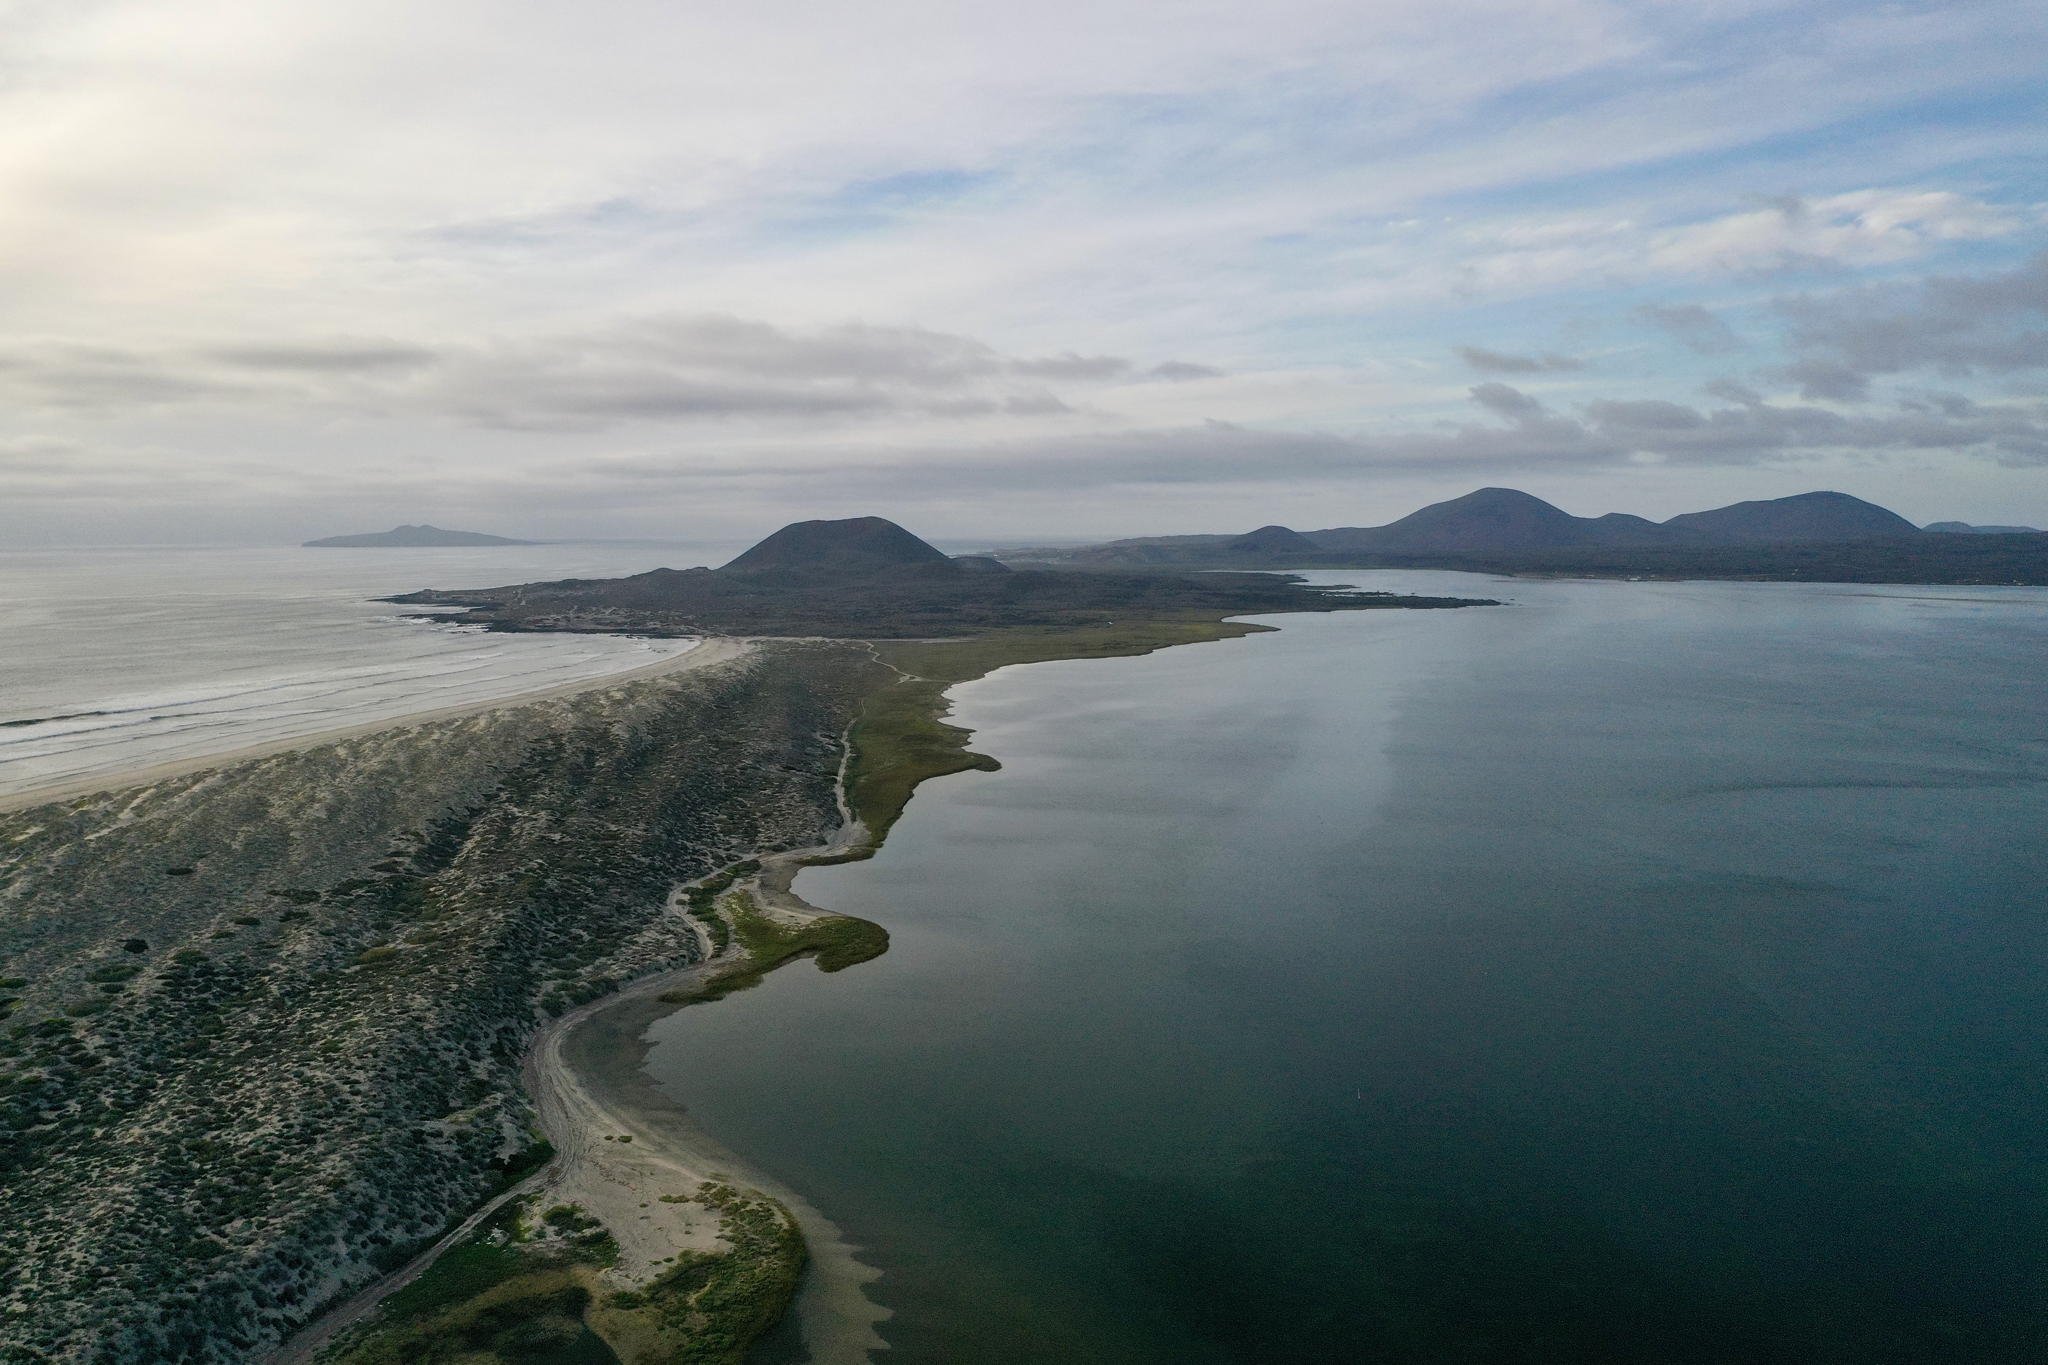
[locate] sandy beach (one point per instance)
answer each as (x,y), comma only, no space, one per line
(710,651)
(589,1081)
(629,1155)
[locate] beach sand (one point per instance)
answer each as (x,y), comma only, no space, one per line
(589,1080)
(709,651)
(629,1155)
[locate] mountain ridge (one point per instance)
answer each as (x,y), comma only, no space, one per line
(1496,519)
(1816,536)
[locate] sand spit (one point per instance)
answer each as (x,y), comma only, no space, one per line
(627,1154)
(589,1081)
(713,650)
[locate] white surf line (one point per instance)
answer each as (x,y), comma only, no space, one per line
(710,651)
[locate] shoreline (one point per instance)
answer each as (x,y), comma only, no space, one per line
(618,1135)
(591,1076)
(710,650)
(586,1071)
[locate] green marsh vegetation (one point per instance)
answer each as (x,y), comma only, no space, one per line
(528,1287)
(709,1306)
(901,737)
(835,942)
(514,1291)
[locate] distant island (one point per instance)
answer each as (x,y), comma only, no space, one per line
(411,538)
(1809,537)
(868,578)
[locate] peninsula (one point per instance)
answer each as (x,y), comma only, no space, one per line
(409,537)
(867,578)
(329,1053)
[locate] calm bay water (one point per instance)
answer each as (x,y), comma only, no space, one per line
(1637,972)
(113,659)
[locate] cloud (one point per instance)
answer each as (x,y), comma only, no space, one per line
(675,369)
(1826,380)
(851,352)
(1527,254)
(1864,227)
(334,357)
(1730,391)
(1071,366)
(1213,465)
(1502,362)
(60,379)
(1182,371)
(718,369)
(1607,436)
(704,228)
(1948,404)
(1642,416)
(1504,400)
(2015,435)
(1694,326)
(1953,324)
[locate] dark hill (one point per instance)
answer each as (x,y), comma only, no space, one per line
(1623,528)
(1491,519)
(1801,517)
(1270,542)
(853,546)
(411,538)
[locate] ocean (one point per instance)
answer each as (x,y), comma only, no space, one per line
(1633,972)
(116,659)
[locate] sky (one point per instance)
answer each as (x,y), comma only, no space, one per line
(639,268)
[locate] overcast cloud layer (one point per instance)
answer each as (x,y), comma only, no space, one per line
(633,268)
